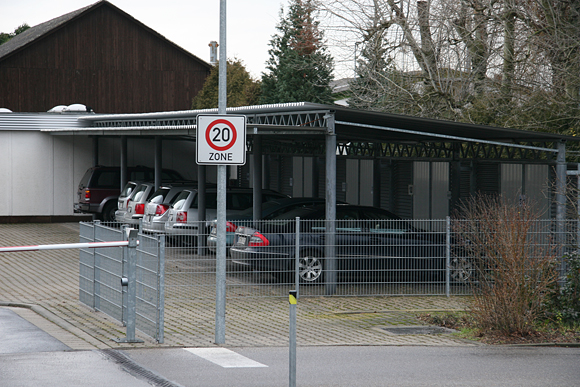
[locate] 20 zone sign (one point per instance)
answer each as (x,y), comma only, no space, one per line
(221,140)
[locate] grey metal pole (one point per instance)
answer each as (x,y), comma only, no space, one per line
(448,257)
(161,292)
(292,343)
(330,248)
(131,282)
(561,173)
(220,310)
(578,207)
(297,258)
(95,151)
(123,162)
(201,213)
(257,177)
(158,158)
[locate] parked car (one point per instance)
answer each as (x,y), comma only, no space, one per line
(183,219)
(135,204)
(270,209)
(368,240)
(99,189)
(124,196)
(157,208)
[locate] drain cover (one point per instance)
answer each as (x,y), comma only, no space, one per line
(417,330)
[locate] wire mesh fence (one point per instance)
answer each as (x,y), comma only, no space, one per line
(342,258)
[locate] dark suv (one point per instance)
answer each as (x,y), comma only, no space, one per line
(99,188)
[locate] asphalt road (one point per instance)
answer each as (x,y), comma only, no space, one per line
(30,357)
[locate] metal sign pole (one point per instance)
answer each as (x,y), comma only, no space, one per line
(220,310)
(292,346)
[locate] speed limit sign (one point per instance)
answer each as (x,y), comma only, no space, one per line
(221,140)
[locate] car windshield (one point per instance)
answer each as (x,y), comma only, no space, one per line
(290,216)
(266,207)
(129,187)
(180,200)
(138,197)
(159,195)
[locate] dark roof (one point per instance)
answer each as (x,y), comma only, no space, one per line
(34,33)
(39,31)
(351,125)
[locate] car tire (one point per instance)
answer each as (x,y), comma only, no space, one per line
(109,212)
(462,270)
(310,268)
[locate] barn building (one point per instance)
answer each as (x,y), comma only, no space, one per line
(101,57)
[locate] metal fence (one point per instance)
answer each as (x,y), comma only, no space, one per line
(177,273)
(360,258)
(102,270)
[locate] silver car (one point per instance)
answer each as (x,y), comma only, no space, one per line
(183,219)
(123,198)
(135,207)
(157,208)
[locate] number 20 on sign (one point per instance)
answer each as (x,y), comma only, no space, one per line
(221,140)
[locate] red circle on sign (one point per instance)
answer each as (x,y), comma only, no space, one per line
(225,147)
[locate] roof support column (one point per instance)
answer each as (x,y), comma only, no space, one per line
(95,151)
(561,173)
(201,239)
(376,177)
(329,263)
(123,162)
(257,176)
(455,178)
(158,158)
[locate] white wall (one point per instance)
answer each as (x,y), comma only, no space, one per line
(40,172)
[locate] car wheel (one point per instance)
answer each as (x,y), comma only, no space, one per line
(109,212)
(461,270)
(310,268)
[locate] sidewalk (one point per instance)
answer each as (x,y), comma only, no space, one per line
(42,287)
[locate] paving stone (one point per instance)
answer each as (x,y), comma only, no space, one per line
(44,286)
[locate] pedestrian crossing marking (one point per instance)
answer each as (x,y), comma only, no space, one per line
(224,357)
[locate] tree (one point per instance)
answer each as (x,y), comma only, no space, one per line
(242,90)
(512,63)
(299,68)
(4,37)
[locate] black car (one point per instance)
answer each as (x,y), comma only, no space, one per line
(270,209)
(368,240)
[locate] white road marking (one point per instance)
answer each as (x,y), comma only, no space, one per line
(224,357)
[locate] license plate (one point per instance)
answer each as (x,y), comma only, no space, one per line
(242,240)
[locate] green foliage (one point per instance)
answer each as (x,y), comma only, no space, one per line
(564,305)
(242,90)
(299,68)
(4,37)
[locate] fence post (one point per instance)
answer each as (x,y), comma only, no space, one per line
(161,289)
(448,257)
(96,269)
(297,258)
(124,274)
(130,281)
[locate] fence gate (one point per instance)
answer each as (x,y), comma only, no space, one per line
(102,271)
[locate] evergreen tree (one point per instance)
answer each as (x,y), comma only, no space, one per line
(300,67)
(242,89)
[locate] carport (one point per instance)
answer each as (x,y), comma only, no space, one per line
(326,134)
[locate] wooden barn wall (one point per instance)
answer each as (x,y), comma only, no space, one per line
(105,61)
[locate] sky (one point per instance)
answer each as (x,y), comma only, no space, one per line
(189,24)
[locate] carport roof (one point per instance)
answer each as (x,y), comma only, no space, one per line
(302,118)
